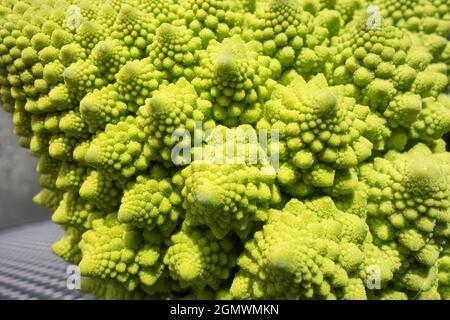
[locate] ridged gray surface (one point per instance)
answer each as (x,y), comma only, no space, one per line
(28,268)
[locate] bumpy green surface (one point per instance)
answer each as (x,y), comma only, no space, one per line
(361,194)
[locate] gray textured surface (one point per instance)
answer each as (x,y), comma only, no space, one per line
(18,179)
(28,268)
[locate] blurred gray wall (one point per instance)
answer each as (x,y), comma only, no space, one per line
(18,179)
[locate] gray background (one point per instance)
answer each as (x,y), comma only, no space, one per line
(28,268)
(18,179)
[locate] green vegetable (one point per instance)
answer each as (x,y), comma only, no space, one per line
(332,181)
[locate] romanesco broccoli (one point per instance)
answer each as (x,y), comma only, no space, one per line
(332,181)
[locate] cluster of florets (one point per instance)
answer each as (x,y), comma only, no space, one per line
(349,195)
